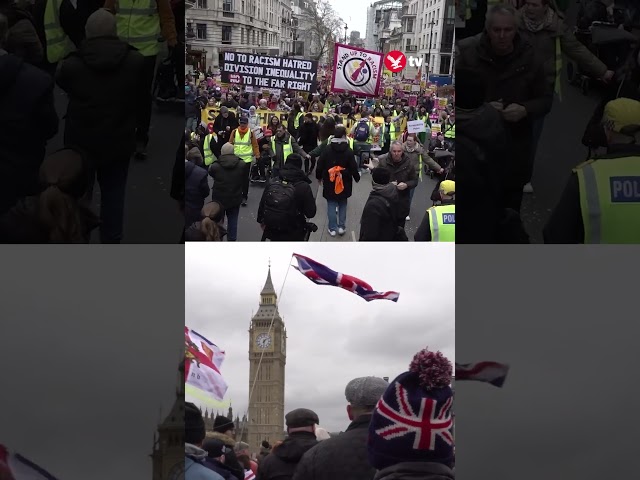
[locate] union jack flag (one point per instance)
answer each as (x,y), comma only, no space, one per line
(322,275)
(14,466)
(427,425)
(489,372)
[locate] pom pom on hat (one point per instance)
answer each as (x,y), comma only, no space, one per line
(413,421)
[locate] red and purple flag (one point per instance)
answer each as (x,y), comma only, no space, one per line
(489,372)
(322,275)
(14,466)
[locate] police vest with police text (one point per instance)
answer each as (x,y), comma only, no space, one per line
(442,223)
(139,25)
(610,200)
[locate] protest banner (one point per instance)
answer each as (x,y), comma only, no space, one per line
(415,126)
(356,71)
(265,71)
(413,101)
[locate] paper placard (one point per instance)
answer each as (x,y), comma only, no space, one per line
(415,126)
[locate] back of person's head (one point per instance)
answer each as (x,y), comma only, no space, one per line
(194,428)
(294,160)
(215,448)
(212,213)
(101,23)
(340,132)
(321,434)
(381,176)
(227,149)
(64,178)
(471,95)
(244,460)
(363,393)
(327,128)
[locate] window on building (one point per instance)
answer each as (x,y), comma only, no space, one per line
(201,31)
(445,64)
(226,34)
(241,36)
(227,8)
(202,3)
(410,25)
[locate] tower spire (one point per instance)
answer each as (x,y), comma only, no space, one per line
(268,285)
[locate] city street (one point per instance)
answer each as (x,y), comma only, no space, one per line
(249,229)
(151,215)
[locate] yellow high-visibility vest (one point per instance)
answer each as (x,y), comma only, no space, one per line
(139,25)
(442,222)
(243,148)
(58,44)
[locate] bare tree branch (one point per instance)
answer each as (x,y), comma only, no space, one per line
(323,24)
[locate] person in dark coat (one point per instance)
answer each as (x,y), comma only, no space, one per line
(344,457)
(228,176)
(178,180)
(22,40)
(517,86)
(282,462)
(224,430)
(337,169)
(28,120)
(379,222)
(265,449)
(196,190)
(304,199)
(102,82)
(282,138)
(224,124)
(403,176)
(308,140)
(215,458)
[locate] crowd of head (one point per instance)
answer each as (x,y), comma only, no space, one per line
(400,430)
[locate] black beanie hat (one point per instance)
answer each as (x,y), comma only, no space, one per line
(381,175)
(294,160)
(194,431)
(222,424)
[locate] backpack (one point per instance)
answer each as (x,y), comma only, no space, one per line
(280,209)
(362,132)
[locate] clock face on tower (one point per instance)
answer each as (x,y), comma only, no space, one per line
(263,341)
(177,472)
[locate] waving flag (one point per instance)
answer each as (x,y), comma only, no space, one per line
(14,466)
(489,372)
(201,371)
(322,275)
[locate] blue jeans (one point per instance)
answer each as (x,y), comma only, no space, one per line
(341,220)
(411,192)
(232,223)
(112,179)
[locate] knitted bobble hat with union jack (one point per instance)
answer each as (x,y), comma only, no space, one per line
(413,421)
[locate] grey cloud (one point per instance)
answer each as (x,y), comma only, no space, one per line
(333,335)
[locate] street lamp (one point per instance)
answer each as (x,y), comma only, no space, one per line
(429,54)
(345,33)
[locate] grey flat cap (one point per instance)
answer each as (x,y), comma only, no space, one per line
(365,391)
(301,417)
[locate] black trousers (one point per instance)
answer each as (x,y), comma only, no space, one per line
(145,100)
(245,181)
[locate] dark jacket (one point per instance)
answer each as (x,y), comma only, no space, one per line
(305,202)
(282,462)
(22,39)
(220,124)
(380,215)
(102,81)
(401,172)
(337,154)
(228,175)
(342,457)
(416,471)
(230,458)
(27,120)
(565,225)
(308,134)
(177,177)
(221,469)
(196,188)
(516,78)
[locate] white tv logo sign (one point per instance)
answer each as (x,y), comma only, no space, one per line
(396,61)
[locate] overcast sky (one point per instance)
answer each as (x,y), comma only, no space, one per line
(354,13)
(90,344)
(567,324)
(333,335)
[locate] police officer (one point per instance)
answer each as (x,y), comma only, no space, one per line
(601,202)
(439,223)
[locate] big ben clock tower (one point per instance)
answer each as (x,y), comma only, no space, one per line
(266,405)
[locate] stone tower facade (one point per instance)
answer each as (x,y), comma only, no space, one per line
(168,445)
(266,403)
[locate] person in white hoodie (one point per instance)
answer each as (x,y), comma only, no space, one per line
(254,119)
(194,455)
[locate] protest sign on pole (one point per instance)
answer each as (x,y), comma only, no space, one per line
(415,126)
(265,71)
(356,71)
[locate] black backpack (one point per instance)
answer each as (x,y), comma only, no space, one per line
(280,209)
(362,131)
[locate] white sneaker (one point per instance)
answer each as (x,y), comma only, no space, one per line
(332,233)
(341,230)
(408,218)
(528,188)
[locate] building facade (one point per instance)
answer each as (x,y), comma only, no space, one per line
(267,361)
(167,455)
(382,18)
(250,26)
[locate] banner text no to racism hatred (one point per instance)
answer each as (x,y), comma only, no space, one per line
(269,72)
